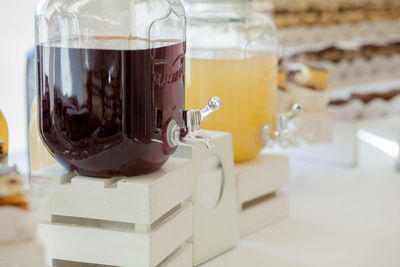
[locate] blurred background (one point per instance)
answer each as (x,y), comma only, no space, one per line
(17,35)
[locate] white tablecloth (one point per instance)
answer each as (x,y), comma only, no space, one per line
(338,217)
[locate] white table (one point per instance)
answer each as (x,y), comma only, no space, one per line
(338,217)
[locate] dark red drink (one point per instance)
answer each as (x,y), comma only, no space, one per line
(102,112)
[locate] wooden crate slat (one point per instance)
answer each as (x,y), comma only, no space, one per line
(141,199)
(182,258)
(261,176)
(118,247)
(263,214)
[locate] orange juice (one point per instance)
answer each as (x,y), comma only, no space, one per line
(247,88)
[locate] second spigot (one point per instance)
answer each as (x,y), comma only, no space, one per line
(282,132)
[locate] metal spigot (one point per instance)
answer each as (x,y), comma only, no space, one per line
(192,119)
(282,133)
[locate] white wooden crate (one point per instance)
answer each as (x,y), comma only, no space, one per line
(182,257)
(140,199)
(214,198)
(269,210)
(116,245)
(258,185)
(342,151)
(316,126)
(135,221)
(28,253)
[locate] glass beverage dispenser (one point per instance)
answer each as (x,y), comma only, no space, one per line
(110,78)
(233,52)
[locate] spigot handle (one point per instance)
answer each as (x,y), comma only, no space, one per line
(193,120)
(296,111)
(282,120)
(194,117)
(282,133)
(213,105)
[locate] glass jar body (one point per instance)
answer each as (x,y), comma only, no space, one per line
(109,78)
(232,53)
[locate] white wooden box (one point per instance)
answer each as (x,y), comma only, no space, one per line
(215,205)
(310,100)
(135,221)
(258,184)
(182,257)
(28,253)
(342,151)
(316,127)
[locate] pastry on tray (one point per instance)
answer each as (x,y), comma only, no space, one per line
(304,75)
(12,191)
(366,105)
(336,54)
(311,12)
(302,84)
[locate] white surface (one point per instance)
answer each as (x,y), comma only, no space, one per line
(338,217)
(117,247)
(22,254)
(17,224)
(140,199)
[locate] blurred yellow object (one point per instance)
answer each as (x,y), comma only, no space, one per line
(3,137)
(282,80)
(318,79)
(247,88)
(310,77)
(40,157)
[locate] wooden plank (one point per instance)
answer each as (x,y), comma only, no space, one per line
(117,247)
(54,174)
(142,199)
(182,258)
(263,214)
(265,174)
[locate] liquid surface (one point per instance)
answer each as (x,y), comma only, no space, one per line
(247,88)
(102,112)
